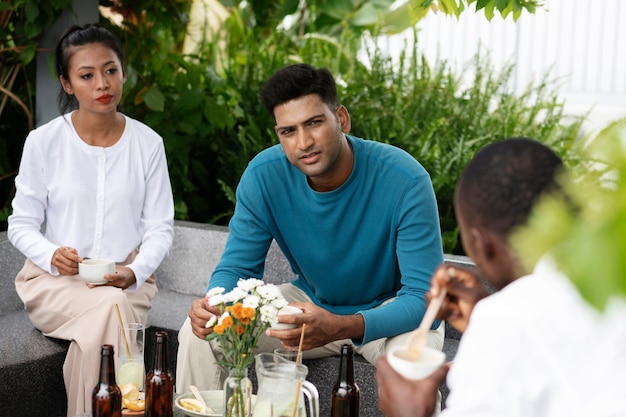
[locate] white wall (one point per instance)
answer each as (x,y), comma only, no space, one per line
(581,42)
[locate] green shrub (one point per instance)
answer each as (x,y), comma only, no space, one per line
(206,106)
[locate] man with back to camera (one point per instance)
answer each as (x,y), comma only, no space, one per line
(356,219)
(534,348)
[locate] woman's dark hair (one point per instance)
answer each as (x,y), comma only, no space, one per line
(78,36)
(296,81)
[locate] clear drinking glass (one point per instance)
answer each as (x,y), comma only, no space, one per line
(130,354)
(290,354)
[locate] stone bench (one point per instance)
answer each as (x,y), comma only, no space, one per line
(31,364)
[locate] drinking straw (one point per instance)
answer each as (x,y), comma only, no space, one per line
(295,401)
(119,318)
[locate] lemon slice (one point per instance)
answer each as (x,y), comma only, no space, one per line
(137,405)
(130,372)
(194,405)
(130,391)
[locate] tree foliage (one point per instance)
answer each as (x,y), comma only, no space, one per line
(205,102)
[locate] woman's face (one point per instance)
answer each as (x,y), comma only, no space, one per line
(96,78)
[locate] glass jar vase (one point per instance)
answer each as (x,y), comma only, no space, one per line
(238,394)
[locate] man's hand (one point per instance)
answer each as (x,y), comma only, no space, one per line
(464,290)
(400,397)
(200,314)
(322,327)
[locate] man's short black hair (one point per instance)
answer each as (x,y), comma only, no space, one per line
(298,80)
(503,181)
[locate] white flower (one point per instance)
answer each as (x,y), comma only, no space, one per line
(249,284)
(251,301)
(216,300)
(237,294)
(269,291)
(269,314)
(211,322)
(279,303)
(215,291)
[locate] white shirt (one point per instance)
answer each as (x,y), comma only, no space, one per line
(537,349)
(105,202)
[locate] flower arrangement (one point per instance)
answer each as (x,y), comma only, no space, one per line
(246,312)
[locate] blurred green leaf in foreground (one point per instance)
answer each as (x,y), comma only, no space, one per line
(584,230)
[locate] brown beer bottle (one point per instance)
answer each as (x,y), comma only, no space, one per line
(106,397)
(159,386)
(345,395)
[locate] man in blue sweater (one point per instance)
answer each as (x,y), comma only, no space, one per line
(356,219)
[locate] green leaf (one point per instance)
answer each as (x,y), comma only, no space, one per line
(154,99)
(402,18)
(339,9)
(27,54)
(481,4)
(32,11)
(503,4)
(366,15)
(489,11)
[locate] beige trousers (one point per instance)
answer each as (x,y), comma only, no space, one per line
(196,361)
(64,307)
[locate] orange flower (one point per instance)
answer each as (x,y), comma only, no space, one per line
(238,329)
(219,329)
(248,313)
(227,321)
(236,310)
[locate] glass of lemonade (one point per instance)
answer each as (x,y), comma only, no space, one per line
(131,341)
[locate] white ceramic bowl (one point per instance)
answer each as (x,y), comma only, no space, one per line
(283,311)
(429,360)
(93,270)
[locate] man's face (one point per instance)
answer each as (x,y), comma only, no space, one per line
(312,137)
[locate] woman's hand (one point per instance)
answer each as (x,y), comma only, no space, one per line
(123,278)
(66,260)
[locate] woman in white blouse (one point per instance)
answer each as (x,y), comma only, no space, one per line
(92,183)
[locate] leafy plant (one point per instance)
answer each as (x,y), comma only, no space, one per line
(21,24)
(442,122)
(206,107)
(490,7)
(205,103)
(584,229)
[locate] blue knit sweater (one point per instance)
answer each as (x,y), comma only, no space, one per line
(375,237)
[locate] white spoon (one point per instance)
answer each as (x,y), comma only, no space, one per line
(418,338)
(196,393)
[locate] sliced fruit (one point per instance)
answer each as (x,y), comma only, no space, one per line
(192,404)
(137,405)
(130,372)
(130,391)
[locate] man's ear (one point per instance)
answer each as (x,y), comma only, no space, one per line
(492,256)
(487,245)
(344,119)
